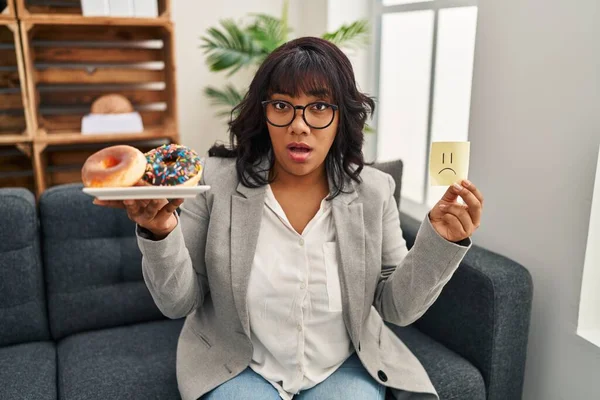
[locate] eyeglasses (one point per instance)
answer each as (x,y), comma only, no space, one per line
(317,115)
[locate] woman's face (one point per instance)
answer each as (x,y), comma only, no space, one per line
(298,148)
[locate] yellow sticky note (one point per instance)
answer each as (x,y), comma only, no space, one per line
(448,162)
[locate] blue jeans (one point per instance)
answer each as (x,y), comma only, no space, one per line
(350,381)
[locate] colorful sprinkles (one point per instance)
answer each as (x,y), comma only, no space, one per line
(171,164)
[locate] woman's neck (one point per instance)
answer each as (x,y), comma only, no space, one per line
(315,179)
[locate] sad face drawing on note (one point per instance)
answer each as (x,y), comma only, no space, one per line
(447,169)
(448,162)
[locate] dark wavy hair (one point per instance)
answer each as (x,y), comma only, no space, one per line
(306,65)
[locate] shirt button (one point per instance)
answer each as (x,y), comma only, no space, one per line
(382,376)
(301,242)
(303,285)
(299,327)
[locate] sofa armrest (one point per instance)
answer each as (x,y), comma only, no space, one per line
(483,314)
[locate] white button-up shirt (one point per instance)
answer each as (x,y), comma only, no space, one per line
(294,301)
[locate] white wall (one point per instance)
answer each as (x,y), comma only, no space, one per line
(535,131)
(341,12)
(199,128)
(312,17)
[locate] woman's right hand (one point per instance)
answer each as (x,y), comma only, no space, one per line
(157,216)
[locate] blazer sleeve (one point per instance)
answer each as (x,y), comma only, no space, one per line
(174,268)
(411,281)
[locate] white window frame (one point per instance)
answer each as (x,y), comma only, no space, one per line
(417,210)
(588,324)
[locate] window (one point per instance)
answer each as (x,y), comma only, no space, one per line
(425,67)
(588,326)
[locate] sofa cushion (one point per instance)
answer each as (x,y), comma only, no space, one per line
(394,168)
(22,303)
(93,264)
(454,377)
(129,362)
(28,371)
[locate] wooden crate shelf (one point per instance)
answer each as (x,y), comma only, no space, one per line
(107,21)
(54,63)
(29,9)
(71,65)
(77,138)
(15,166)
(7,10)
(14,139)
(13,91)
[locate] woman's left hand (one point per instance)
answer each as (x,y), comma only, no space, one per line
(454,221)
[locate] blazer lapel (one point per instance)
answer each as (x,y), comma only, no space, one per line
(246,215)
(349,226)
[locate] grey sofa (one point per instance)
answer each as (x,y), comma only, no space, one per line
(77,322)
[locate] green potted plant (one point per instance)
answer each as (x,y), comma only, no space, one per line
(233,46)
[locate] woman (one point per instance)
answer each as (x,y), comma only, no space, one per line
(288,266)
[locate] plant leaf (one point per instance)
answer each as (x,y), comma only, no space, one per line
(268,31)
(225,99)
(230,48)
(368,129)
(353,35)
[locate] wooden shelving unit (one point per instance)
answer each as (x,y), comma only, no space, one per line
(13,90)
(69,65)
(15,127)
(65,62)
(7,12)
(16,169)
(65,9)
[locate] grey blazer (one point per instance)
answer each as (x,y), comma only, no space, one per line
(201,270)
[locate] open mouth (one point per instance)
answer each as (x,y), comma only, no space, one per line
(450,169)
(299,152)
(299,147)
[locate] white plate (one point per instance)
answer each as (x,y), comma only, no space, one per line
(146,192)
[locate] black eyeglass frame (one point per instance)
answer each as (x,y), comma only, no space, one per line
(303,108)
